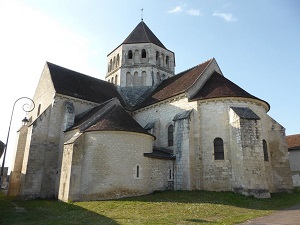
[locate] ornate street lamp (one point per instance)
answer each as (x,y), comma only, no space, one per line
(26,108)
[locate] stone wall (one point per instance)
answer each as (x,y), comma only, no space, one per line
(43,152)
(110,165)
(235,169)
(149,70)
(186,137)
(15,176)
(294,156)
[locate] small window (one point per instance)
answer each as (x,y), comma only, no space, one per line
(265,149)
(170,135)
(112,80)
(118,60)
(218,149)
(116,79)
(114,63)
(110,65)
(143,53)
(39,110)
(157,56)
(167,61)
(129,54)
(137,171)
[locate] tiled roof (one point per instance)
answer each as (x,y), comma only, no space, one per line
(245,113)
(160,153)
(175,85)
(109,116)
(218,86)
(142,34)
(78,85)
(293,141)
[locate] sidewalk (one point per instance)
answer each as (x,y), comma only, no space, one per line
(289,216)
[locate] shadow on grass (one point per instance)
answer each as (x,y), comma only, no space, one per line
(47,212)
(277,201)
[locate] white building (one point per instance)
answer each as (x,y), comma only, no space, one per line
(146,129)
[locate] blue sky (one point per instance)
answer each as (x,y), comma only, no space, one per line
(256,43)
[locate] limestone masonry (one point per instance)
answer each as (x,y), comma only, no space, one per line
(146,129)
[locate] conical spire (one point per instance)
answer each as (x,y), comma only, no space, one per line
(142,34)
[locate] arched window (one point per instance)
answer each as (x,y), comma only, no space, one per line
(167,61)
(137,171)
(265,148)
(157,56)
(218,149)
(112,80)
(116,79)
(39,110)
(135,79)
(128,79)
(144,78)
(136,56)
(143,53)
(114,63)
(170,135)
(129,54)
(110,65)
(118,60)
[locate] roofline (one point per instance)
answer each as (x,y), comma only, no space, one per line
(138,43)
(120,131)
(262,102)
(210,61)
(177,96)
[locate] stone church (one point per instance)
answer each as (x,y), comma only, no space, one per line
(147,129)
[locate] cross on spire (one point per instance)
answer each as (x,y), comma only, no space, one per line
(142,10)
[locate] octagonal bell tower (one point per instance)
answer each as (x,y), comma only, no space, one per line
(140,61)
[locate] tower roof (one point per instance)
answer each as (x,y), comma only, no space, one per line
(142,34)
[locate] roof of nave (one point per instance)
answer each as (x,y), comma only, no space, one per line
(78,85)
(109,116)
(142,34)
(293,141)
(218,86)
(175,85)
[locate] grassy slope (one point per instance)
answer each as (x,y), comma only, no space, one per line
(180,207)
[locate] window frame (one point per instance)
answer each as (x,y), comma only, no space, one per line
(170,135)
(219,149)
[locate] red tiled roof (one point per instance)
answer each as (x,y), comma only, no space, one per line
(175,85)
(293,141)
(218,86)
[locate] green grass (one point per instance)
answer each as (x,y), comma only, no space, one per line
(180,207)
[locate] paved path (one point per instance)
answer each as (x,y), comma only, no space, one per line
(289,216)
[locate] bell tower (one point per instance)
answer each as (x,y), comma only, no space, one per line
(140,61)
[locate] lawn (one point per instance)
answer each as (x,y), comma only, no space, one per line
(178,207)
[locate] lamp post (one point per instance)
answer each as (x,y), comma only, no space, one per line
(25,120)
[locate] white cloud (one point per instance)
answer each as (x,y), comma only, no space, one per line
(175,10)
(226,16)
(194,12)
